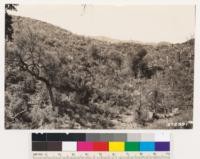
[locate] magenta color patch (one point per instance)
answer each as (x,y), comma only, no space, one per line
(85,146)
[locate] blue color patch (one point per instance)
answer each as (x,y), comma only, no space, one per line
(147,146)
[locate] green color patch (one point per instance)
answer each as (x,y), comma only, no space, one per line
(132,146)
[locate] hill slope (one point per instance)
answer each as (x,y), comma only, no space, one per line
(93,84)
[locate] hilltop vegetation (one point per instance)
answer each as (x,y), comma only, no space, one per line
(57,79)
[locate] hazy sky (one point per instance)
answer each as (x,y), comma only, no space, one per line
(147,23)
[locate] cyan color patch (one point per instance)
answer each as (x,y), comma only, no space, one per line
(147,146)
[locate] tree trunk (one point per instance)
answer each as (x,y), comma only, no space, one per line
(179,56)
(49,88)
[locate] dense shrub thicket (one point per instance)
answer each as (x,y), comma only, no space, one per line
(56,79)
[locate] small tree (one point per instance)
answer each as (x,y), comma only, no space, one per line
(8,21)
(137,62)
(35,60)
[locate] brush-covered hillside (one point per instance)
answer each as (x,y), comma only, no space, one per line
(57,79)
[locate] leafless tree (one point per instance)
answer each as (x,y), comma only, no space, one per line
(34,59)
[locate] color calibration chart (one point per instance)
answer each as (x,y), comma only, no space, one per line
(101,146)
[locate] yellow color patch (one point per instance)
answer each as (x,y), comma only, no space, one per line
(116,146)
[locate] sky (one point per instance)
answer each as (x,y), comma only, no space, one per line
(145,23)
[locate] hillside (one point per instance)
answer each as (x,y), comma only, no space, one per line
(57,79)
